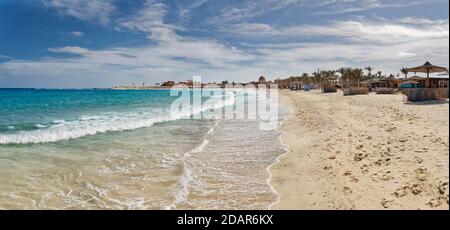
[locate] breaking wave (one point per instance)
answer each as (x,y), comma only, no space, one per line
(107,122)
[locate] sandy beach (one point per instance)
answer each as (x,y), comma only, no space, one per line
(363,152)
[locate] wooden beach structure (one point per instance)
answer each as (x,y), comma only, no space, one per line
(330,84)
(377,82)
(432,88)
(427,68)
(383,85)
(440,81)
(355,91)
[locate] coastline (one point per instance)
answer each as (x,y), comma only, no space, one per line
(362,152)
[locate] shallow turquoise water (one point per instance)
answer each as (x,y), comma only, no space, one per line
(107,149)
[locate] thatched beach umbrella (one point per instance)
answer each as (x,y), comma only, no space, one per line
(427,68)
(443,74)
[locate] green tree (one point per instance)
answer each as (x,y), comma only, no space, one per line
(370,69)
(404,71)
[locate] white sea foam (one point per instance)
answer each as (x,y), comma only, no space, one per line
(40,126)
(92,125)
(277,160)
(182,191)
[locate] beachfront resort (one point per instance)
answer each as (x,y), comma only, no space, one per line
(383,146)
(355,114)
(433,84)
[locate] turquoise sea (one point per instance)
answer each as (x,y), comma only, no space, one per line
(114,149)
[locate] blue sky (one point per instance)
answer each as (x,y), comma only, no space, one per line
(102,43)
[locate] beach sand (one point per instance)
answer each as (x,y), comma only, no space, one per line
(363,152)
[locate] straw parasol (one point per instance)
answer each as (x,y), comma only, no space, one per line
(427,68)
(443,74)
(416,78)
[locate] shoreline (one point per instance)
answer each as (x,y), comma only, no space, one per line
(286,102)
(362,152)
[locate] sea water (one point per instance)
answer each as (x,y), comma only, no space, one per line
(114,149)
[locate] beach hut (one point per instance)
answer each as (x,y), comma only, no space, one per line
(431,84)
(330,84)
(436,81)
(393,82)
(427,68)
(409,84)
(375,83)
(418,81)
(443,80)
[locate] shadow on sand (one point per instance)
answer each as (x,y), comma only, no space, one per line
(430,102)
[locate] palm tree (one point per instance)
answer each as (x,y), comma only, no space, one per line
(317,77)
(369,68)
(379,73)
(346,75)
(405,72)
(305,78)
(332,72)
(357,75)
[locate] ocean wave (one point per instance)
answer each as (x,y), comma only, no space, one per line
(92,125)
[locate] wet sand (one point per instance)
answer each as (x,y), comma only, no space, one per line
(363,152)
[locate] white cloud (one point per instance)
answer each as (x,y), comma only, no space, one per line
(405,54)
(170,45)
(421,21)
(70,50)
(352,31)
(86,10)
(77,34)
(151,19)
(248,9)
(351,6)
(4,58)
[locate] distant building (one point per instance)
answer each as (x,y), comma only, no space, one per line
(168,84)
(262,80)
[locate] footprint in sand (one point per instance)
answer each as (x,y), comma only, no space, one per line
(443,188)
(387,203)
(327,167)
(390,129)
(436,140)
(401,192)
(418,160)
(354,179)
(388,152)
(365,169)
(435,202)
(402,140)
(359,156)
(421,174)
(384,161)
(384,175)
(347,190)
(416,189)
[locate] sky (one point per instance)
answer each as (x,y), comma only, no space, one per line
(103,43)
